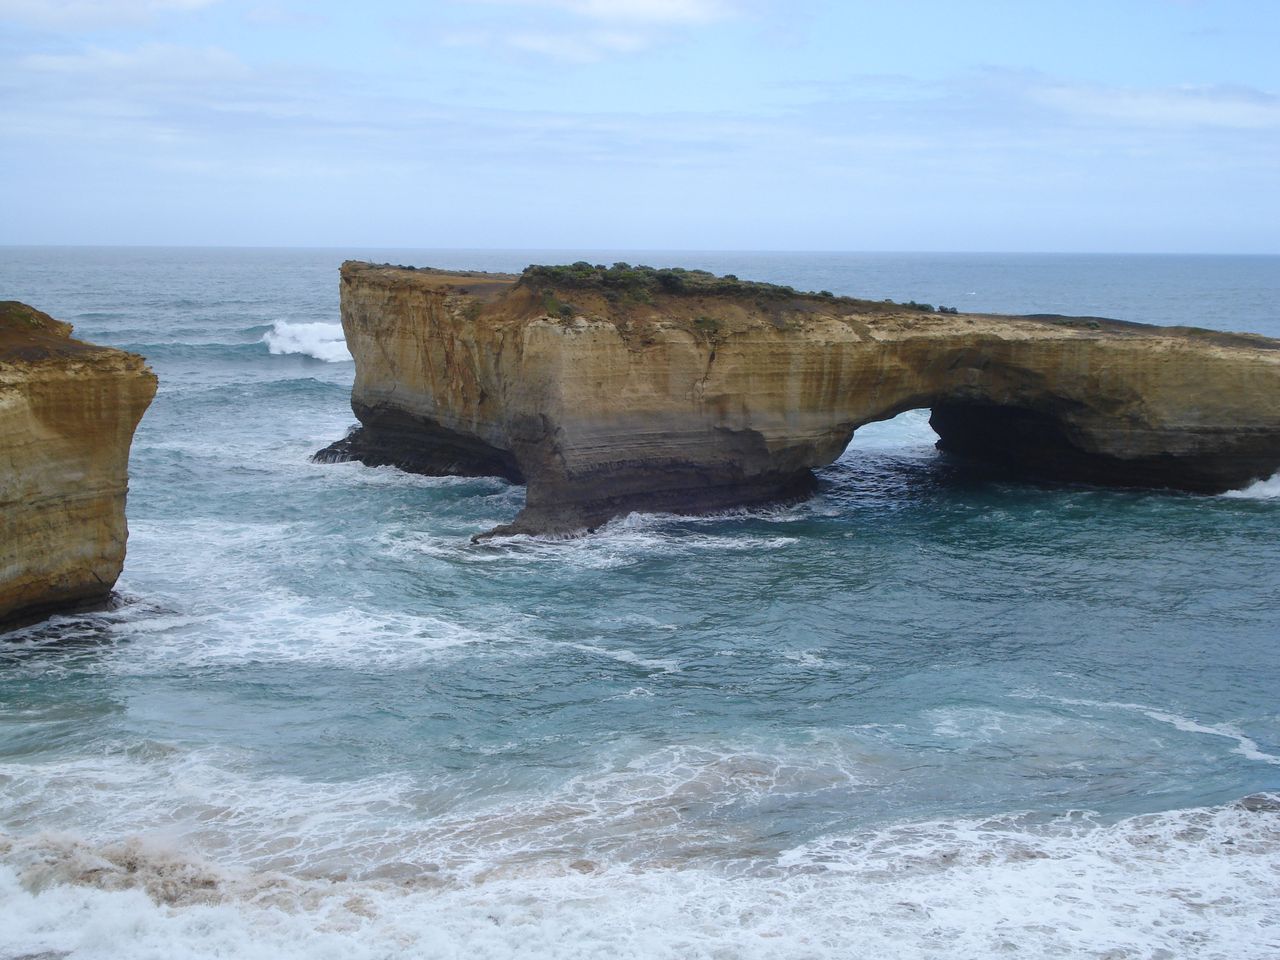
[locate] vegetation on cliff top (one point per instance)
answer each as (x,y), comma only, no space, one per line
(28,335)
(18,316)
(641,283)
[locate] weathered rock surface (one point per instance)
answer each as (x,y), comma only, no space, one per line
(68,410)
(696,393)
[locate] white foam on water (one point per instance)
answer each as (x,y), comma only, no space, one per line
(359,474)
(814,658)
(619,543)
(986,724)
(635,805)
(275,627)
(1268,489)
(246,617)
(323,341)
(633,694)
(629,657)
(1185,885)
(678,805)
(689,524)
(1245,746)
(281,627)
(214,802)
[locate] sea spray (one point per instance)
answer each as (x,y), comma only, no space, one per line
(1194,883)
(324,341)
(1268,489)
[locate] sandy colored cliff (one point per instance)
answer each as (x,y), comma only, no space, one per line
(68,411)
(617,390)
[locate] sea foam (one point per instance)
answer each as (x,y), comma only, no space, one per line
(1193,883)
(1268,489)
(323,341)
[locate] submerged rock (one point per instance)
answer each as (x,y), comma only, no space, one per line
(1260,803)
(68,410)
(609,391)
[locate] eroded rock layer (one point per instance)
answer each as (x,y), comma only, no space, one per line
(613,391)
(68,411)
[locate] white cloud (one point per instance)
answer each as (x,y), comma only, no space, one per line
(158,64)
(274,15)
(571,46)
(647,11)
(635,11)
(588,31)
(1228,108)
(93,13)
(584,47)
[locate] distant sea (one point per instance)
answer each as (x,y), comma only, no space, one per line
(916,716)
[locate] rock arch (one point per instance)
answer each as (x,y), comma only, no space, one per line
(719,393)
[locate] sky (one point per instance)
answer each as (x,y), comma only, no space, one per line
(929,125)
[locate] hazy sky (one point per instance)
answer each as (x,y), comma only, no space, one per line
(1092,125)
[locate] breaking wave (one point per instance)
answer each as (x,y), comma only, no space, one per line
(323,341)
(1268,489)
(1194,883)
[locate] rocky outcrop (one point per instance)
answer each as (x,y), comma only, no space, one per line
(608,391)
(68,410)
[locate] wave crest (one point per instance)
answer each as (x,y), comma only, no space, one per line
(1268,489)
(323,341)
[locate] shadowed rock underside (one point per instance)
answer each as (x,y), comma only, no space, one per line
(609,391)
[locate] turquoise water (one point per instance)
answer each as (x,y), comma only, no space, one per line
(919,715)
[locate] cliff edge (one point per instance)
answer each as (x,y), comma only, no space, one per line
(68,410)
(609,390)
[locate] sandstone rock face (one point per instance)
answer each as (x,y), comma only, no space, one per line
(606,401)
(68,411)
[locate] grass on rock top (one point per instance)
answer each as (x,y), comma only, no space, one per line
(641,283)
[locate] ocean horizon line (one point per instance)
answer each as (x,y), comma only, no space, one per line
(633,250)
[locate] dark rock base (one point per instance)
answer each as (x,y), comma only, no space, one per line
(564,513)
(391,438)
(1033,445)
(70,602)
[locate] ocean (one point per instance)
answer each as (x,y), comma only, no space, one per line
(920,715)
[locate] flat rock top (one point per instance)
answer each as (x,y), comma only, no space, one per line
(472,283)
(29,336)
(636,298)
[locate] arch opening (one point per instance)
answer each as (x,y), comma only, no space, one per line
(1025,443)
(996,441)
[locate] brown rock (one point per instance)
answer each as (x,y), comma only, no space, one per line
(68,410)
(694,393)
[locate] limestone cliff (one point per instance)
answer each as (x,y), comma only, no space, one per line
(68,410)
(616,390)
